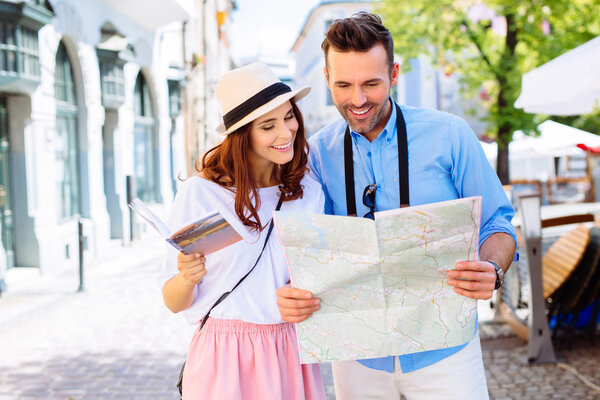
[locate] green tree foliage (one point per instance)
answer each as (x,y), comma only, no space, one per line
(588,122)
(490,44)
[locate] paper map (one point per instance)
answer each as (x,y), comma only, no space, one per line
(382,283)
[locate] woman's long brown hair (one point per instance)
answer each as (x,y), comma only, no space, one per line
(228,165)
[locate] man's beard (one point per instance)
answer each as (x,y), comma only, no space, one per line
(362,126)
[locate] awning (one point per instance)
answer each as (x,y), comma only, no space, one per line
(567,85)
(532,157)
(151,14)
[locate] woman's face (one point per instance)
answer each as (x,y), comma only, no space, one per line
(272,137)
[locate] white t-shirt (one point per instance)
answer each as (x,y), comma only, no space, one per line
(254,300)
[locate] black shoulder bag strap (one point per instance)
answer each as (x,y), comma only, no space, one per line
(402,140)
(224,295)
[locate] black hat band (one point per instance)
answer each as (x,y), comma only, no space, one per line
(259,99)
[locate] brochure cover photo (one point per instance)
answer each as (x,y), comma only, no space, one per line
(206,235)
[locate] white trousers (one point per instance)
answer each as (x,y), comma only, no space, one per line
(460,376)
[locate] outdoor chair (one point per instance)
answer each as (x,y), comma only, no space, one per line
(520,186)
(562,260)
(568,300)
(589,302)
(593,324)
(563,189)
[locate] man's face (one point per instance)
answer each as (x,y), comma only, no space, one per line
(360,84)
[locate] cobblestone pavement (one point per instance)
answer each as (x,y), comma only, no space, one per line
(509,377)
(116,340)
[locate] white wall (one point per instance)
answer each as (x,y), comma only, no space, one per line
(52,241)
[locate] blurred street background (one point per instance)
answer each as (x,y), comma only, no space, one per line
(102,101)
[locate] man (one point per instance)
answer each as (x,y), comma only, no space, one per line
(444,162)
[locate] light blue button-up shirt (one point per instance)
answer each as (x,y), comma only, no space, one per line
(445,162)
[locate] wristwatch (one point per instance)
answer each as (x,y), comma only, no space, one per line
(499,275)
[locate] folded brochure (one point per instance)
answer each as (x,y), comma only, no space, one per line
(208,234)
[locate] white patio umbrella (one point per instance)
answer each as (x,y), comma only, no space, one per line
(566,85)
(533,157)
(525,161)
(561,140)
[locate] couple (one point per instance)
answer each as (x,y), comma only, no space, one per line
(245,350)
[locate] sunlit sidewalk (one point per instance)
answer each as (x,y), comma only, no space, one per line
(116,340)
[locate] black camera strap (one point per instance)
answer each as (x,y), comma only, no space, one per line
(402,141)
(179,384)
(224,295)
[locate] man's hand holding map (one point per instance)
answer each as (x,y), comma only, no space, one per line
(382,283)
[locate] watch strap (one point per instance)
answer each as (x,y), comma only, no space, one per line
(499,275)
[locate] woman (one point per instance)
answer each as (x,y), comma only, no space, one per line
(245,351)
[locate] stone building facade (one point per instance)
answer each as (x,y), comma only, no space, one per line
(99,102)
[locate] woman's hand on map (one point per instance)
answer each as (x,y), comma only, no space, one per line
(296,305)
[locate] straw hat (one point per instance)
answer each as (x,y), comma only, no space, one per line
(249,92)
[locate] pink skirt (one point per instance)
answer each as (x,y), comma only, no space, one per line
(230,359)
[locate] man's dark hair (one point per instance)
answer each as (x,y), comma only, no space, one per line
(359,33)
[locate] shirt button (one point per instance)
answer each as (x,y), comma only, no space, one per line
(369,154)
(388,140)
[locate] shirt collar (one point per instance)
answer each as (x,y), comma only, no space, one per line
(389,131)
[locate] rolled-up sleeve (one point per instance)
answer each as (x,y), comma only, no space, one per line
(474,176)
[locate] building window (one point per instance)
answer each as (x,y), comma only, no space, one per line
(30,59)
(328,23)
(66,136)
(6,211)
(19,54)
(113,83)
(174,98)
(145,144)
(8,48)
(329,99)
(394,93)
(64,84)
(114,51)
(19,44)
